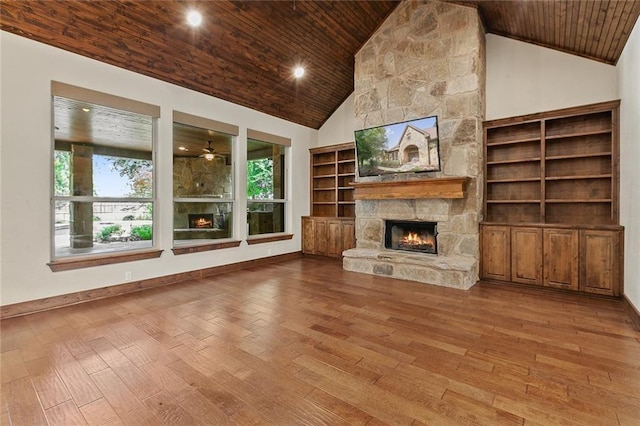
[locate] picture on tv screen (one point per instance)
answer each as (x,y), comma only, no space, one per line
(406,147)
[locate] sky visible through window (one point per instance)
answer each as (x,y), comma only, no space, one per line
(106,181)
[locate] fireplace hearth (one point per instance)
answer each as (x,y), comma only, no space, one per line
(415,236)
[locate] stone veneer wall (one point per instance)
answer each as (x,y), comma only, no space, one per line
(199,178)
(428,58)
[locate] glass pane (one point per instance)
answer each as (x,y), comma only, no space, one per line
(265,171)
(62,173)
(265,218)
(101,151)
(122,177)
(92,228)
(202,163)
(201,221)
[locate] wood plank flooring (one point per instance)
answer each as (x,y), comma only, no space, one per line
(303,342)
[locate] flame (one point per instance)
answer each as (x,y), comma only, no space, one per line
(412,238)
(203,223)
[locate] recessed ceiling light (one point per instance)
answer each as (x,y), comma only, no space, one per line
(182,148)
(86,109)
(298,72)
(194,18)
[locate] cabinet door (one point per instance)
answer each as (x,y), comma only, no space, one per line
(600,262)
(496,253)
(348,234)
(320,239)
(560,248)
(334,238)
(526,255)
(308,235)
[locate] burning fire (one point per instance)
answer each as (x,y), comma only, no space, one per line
(203,223)
(413,239)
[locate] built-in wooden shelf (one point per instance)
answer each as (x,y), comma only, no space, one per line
(332,169)
(454,187)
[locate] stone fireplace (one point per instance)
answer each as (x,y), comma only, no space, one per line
(426,59)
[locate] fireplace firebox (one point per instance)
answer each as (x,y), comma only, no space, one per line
(414,236)
(201,220)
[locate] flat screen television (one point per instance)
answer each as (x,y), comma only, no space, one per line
(405,147)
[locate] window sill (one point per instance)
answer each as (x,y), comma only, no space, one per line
(259,239)
(204,247)
(88,262)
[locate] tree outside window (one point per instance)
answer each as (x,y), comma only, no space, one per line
(265,187)
(102,179)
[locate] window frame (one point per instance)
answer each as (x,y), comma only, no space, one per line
(197,245)
(83,260)
(285,234)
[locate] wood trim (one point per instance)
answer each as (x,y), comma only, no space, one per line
(331,148)
(412,189)
(633,312)
(205,123)
(105,99)
(558,113)
(32,306)
(205,247)
(558,225)
(268,238)
(89,262)
(268,137)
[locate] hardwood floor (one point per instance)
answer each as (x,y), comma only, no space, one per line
(304,342)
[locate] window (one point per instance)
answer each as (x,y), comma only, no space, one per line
(103,176)
(266,177)
(202,180)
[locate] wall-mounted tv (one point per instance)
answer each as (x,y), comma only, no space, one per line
(406,147)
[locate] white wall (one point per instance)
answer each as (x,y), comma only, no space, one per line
(523,78)
(629,72)
(340,126)
(27,68)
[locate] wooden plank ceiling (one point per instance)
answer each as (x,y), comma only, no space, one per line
(594,29)
(245,51)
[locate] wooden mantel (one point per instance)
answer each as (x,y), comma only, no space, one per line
(450,187)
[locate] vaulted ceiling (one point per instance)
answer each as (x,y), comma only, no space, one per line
(245,51)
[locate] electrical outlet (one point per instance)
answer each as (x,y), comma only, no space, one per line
(128,276)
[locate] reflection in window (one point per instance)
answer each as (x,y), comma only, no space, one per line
(103,179)
(266,183)
(202,182)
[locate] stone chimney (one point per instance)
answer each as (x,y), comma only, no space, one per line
(427,58)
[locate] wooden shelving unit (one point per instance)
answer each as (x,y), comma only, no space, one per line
(331,227)
(555,167)
(552,198)
(333,168)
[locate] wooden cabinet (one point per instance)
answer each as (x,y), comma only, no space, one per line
(552,180)
(327,236)
(333,168)
(331,227)
(600,261)
(320,237)
(526,255)
(308,235)
(560,248)
(553,167)
(348,234)
(557,256)
(496,253)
